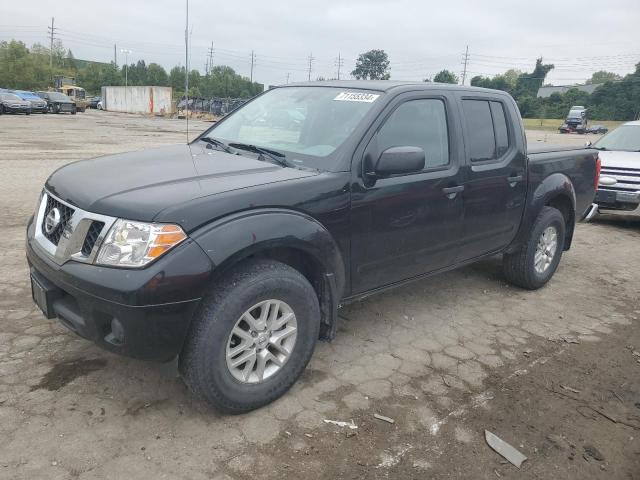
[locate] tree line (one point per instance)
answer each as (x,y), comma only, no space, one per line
(29,69)
(616,98)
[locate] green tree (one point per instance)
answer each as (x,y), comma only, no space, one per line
(176,78)
(372,65)
(602,76)
(445,76)
(156,75)
(528,84)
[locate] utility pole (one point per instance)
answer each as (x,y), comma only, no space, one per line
(311,60)
(52,32)
(253,60)
(465,59)
(339,63)
(210,59)
(186,70)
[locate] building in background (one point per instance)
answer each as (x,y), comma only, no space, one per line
(548,90)
(138,99)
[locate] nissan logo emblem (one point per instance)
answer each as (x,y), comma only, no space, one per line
(52,220)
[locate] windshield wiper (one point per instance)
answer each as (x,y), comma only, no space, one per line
(217,143)
(274,155)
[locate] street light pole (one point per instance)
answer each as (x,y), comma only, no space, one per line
(126,62)
(126,76)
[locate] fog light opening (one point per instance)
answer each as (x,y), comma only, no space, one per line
(116,337)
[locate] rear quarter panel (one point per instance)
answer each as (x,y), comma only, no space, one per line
(557,172)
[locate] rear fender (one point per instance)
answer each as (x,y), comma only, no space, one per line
(555,190)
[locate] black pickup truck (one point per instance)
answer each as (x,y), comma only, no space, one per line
(234,252)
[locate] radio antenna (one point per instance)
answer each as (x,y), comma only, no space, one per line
(186,68)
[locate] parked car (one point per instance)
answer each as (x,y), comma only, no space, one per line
(619,188)
(93,102)
(37,103)
(576,120)
(234,252)
(11,103)
(600,129)
(58,102)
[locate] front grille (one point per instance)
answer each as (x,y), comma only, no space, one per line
(65,216)
(628,179)
(92,236)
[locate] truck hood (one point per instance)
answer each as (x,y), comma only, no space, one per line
(139,185)
(620,159)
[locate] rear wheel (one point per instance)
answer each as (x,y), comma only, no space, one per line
(534,264)
(252,336)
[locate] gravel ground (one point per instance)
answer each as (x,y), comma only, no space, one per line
(445,357)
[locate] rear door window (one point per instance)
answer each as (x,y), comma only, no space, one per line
(500,128)
(479,130)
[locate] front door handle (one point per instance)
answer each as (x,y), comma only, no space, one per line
(513,180)
(451,192)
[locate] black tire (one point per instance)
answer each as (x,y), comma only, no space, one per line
(202,362)
(1,109)
(519,267)
(73,111)
(28,112)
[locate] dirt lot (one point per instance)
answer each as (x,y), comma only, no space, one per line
(554,372)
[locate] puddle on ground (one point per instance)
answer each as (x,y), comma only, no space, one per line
(64,373)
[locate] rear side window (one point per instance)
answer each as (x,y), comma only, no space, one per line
(487,131)
(418,123)
(500,128)
(479,125)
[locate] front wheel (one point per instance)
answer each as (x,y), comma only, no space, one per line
(252,337)
(534,264)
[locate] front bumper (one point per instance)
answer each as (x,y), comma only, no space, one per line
(10,109)
(143,313)
(617,200)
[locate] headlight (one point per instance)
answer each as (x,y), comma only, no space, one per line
(135,244)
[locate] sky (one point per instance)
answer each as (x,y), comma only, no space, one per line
(420,37)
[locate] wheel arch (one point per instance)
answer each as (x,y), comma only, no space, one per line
(287,236)
(555,191)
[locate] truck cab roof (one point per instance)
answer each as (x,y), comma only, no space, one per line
(392,85)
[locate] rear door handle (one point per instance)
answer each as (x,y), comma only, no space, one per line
(451,192)
(514,179)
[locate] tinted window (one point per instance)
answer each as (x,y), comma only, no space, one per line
(418,123)
(481,142)
(500,127)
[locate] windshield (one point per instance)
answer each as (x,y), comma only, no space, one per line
(312,121)
(59,97)
(576,113)
(9,96)
(624,138)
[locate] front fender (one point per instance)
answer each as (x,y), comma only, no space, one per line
(245,233)
(549,189)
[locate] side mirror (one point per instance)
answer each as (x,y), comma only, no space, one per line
(400,160)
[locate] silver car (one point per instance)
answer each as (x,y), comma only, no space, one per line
(619,187)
